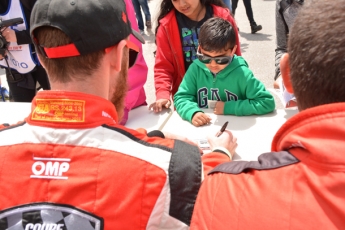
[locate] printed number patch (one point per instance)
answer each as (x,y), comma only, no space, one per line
(48,216)
(59,110)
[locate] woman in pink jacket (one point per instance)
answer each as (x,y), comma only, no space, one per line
(177,42)
(137,75)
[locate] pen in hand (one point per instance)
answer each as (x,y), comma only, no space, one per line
(222,129)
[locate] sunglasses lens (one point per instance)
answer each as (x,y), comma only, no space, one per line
(222,61)
(219,60)
(132,57)
(206,60)
(203,59)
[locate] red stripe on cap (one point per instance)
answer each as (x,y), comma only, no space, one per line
(62,51)
(124,18)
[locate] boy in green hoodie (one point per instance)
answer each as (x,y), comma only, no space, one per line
(220,75)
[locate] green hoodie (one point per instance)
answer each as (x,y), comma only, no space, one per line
(236,85)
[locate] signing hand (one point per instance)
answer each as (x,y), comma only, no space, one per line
(226,140)
(157,106)
(200,119)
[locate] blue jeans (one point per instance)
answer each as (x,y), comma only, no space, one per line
(138,4)
(228,4)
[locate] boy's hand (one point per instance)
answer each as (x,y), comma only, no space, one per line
(219,109)
(200,119)
(157,106)
(226,140)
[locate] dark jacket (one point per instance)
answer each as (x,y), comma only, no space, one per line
(286,12)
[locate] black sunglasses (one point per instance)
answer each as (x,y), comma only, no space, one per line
(221,60)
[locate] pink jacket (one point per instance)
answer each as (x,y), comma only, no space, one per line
(137,75)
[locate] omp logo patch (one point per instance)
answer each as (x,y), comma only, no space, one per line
(48,216)
(50,168)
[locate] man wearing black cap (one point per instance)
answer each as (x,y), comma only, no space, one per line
(70,165)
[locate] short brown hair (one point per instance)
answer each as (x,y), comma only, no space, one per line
(62,69)
(217,34)
(317,53)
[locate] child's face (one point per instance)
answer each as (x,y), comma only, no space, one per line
(190,8)
(216,61)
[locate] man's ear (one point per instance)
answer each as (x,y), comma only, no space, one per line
(285,71)
(234,50)
(116,55)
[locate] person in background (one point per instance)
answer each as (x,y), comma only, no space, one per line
(137,75)
(138,5)
(228,4)
(177,35)
(300,184)
(219,76)
(286,12)
(23,70)
(4,94)
(249,11)
(80,167)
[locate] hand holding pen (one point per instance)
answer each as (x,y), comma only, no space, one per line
(223,139)
(222,129)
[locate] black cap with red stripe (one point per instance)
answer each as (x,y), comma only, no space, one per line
(92,25)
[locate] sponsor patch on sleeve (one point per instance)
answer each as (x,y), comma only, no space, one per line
(48,216)
(59,110)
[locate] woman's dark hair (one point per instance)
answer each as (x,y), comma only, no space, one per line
(167,6)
